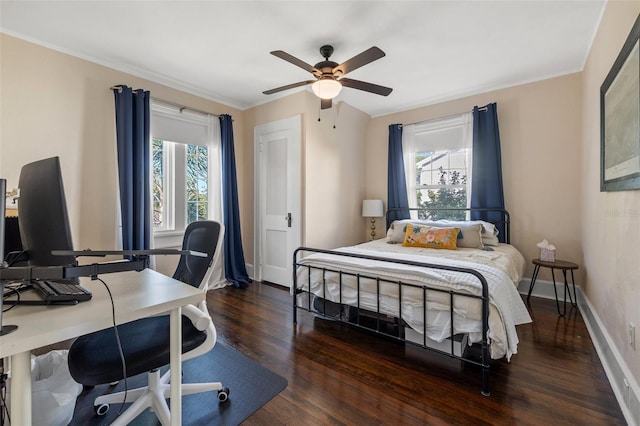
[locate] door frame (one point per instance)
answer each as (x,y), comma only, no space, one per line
(294,183)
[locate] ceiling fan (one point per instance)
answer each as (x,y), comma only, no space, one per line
(329,76)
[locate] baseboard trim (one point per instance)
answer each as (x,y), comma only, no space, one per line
(624,385)
(544,289)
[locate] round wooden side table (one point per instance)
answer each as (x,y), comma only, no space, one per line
(564,266)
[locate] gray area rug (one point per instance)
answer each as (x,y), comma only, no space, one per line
(251,386)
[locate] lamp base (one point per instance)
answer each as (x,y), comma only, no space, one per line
(373,229)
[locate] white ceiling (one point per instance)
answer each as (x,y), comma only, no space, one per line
(435,50)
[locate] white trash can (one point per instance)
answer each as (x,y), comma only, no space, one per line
(53,390)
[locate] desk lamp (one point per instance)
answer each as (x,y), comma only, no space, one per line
(372,209)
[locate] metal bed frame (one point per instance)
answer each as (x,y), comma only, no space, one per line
(380,317)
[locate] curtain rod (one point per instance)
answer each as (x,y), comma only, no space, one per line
(484,108)
(180,107)
(183,107)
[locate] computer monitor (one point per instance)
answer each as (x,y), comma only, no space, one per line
(12,241)
(43,220)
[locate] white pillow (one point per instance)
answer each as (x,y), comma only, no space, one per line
(490,239)
(397,230)
(489,233)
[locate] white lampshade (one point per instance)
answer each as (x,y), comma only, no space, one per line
(326,88)
(372,208)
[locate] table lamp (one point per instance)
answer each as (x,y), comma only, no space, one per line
(372,209)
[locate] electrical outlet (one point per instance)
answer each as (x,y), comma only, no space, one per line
(631,335)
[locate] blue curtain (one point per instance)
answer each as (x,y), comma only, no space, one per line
(132,136)
(396,181)
(234,265)
(486,184)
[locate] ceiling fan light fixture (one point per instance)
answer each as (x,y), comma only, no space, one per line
(326,88)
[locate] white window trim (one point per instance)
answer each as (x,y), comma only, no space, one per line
(468,158)
(170,236)
(411,132)
(168,164)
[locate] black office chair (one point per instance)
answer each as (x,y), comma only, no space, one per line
(95,359)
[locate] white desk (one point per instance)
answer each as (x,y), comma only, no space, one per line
(136,295)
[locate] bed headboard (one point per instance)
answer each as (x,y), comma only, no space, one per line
(499,217)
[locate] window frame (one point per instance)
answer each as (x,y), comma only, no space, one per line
(413,146)
(420,186)
(168,179)
(197,129)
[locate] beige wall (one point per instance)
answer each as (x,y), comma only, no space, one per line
(540,137)
(612,219)
(334,177)
(56,104)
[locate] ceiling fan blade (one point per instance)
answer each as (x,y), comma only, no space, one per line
(359,60)
(287,87)
(325,103)
(295,61)
(367,87)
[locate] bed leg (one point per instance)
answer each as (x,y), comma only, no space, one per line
(485,381)
(295,309)
(295,304)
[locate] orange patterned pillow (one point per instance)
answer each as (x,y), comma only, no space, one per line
(430,237)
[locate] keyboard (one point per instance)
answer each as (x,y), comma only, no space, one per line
(57,292)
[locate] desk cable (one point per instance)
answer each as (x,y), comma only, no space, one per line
(4,410)
(13,287)
(122,359)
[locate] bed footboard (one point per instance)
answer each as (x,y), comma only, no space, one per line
(374,318)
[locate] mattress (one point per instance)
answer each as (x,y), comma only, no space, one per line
(501,267)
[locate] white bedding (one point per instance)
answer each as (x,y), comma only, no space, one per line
(502,268)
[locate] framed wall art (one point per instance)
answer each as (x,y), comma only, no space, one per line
(620,119)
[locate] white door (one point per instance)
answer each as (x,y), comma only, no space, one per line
(277,199)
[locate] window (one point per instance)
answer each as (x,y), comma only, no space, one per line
(159,182)
(185,167)
(197,172)
(438,164)
(442,179)
(194,170)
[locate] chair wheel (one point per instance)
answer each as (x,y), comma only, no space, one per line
(223,394)
(101,409)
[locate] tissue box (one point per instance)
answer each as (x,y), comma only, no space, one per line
(547,255)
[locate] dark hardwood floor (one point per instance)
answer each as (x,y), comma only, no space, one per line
(340,375)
